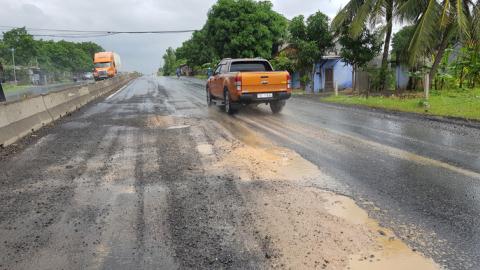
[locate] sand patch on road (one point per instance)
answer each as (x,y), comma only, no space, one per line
(166,122)
(160,121)
(304,227)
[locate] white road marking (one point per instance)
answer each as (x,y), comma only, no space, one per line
(118,91)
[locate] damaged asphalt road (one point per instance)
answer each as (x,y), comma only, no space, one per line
(150,178)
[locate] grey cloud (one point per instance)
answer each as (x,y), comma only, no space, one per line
(138,52)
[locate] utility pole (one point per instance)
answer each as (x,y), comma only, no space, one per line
(13,60)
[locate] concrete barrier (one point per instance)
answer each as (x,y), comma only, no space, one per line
(19,118)
(67,101)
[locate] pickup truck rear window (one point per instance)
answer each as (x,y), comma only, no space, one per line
(250,66)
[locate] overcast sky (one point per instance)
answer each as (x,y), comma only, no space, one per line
(138,52)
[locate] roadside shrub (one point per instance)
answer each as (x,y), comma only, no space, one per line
(376,76)
(305,80)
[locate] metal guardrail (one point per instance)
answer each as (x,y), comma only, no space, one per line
(41,89)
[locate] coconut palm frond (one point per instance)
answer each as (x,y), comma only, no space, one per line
(476,22)
(346,14)
(377,13)
(361,18)
(462,20)
(339,20)
(423,35)
(408,10)
(376,21)
(445,19)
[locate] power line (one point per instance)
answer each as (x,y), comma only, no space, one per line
(53,30)
(72,36)
(103,32)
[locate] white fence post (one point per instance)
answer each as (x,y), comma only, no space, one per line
(426,86)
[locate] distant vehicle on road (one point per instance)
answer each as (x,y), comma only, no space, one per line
(238,82)
(107,65)
(87,76)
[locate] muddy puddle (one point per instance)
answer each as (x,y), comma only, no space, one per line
(306,227)
(166,122)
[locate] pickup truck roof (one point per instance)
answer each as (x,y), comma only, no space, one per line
(228,62)
(242,59)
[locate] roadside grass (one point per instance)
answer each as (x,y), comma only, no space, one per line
(298,92)
(452,103)
(11,88)
(201,77)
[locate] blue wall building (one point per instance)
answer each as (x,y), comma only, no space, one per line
(402,77)
(328,71)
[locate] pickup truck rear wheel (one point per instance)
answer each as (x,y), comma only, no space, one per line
(209,98)
(277,106)
(227,101)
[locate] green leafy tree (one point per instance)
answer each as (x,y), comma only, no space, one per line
(283,62)
(244,28)
(364,13)
(359,51)
(23,43)
(64,56)
(297,29)
(235,29)
(400,52)
(196,51)
(310,39)
(466,66)
(169,62)
(3,52)
(90,48)
(57,58)
(401,43)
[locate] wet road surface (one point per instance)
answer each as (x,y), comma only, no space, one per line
(91,191)
(419,177)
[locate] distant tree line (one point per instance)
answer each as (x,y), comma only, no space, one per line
(51,56)
(441,39)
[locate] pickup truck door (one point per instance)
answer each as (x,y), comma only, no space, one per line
(216,83)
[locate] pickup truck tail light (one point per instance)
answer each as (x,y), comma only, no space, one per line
(238,83)
(289,81)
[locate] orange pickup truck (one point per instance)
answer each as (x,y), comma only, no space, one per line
(238,82)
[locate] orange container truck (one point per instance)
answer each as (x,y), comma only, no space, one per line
(107,65)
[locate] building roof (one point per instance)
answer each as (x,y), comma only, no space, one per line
(328,57)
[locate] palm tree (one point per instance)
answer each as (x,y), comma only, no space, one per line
(360,13)
(437,23)
(476,21)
